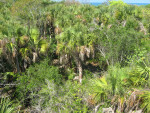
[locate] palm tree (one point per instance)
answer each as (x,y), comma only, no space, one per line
(73,41)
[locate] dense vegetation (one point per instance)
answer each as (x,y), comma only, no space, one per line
(69,57)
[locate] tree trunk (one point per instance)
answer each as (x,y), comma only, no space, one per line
(80,71)
(79,65)
(17,63)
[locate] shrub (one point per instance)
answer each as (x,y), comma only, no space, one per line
(32,80)
(65,98)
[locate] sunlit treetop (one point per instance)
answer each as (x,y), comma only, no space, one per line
(117,3)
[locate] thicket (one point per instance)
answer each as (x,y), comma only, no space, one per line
(71,57)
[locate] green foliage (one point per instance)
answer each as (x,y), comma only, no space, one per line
(6,106)
(146,99)
(139,76)
(44,71)
(112,83)
(35,77)
(116,78)
(100,89)
(66,98)
(43,45)
(34,33)
(132,23)
(117,3)
(20,32)
(117,43)
(70,73)
(42,28)
(147,6)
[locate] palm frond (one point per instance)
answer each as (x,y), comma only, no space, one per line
(6,106)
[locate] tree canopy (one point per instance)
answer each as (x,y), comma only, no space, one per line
(72,57)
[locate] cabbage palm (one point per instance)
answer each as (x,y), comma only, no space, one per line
(100,89)
(70,42)
(9,53)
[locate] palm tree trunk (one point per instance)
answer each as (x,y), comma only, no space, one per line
(80,71)
(79,65)
(17,63)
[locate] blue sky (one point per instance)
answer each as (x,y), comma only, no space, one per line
(127,1)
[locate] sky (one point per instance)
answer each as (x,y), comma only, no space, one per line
(127,1)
